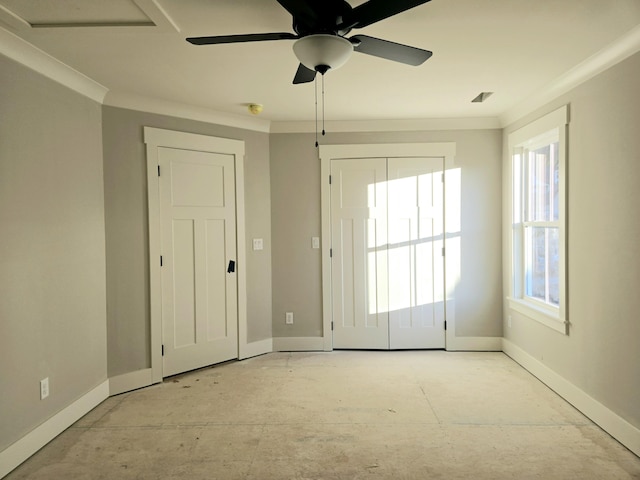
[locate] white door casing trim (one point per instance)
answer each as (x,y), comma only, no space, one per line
(326,153)
(155,138)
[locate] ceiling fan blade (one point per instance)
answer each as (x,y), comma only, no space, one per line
(389,50)
(375,10)
(253,37)
(304,75)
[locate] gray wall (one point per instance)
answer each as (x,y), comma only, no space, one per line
(127,236)
(295,216)
(601,354)
(52,257)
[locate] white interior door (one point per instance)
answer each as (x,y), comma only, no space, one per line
(416,261)
(198,240)
(359,283)
(387,269)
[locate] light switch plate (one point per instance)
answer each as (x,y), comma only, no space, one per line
(315,242)
(258,244)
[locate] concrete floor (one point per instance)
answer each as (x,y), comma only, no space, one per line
(339,415)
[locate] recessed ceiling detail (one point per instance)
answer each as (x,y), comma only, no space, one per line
(41,14)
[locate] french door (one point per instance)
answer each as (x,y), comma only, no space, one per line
(387,265)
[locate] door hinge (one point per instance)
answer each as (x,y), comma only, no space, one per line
(445,324)
(160,260)
(442,177)
(443,251)
(331,253)
(158,170)
(329,179)
(163,350)
(332,326)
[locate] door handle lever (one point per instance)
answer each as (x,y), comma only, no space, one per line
(232,266)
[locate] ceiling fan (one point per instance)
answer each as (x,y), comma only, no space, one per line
(321,27)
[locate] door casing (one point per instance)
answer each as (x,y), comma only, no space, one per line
(155,138)
(329,152)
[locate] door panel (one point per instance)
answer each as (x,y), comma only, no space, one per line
(197,222)
(358,211)
(416,275)
(184,287)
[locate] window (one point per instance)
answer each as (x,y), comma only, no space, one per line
(538,239)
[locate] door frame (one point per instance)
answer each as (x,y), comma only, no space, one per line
(447,150)
(155,138)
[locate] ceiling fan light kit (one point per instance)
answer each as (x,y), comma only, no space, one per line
(322,52)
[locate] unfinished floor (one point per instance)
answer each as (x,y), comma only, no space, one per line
(339,415)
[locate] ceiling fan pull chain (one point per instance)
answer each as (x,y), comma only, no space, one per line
(315,84)
(323,104)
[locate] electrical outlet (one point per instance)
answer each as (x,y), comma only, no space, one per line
(288,318)
(44,388)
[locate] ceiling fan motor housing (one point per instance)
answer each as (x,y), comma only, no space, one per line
(327,17)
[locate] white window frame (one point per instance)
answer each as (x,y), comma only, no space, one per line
(543,131)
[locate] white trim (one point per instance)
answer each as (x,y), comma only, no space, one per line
(609,56)
(158,16)
(130,381)
(387,150)
(611,422)
(21,450)
(472,344)
(405,125)
(538,314)
(41,62)
(542,125)
(325,242)
(254,349)
(13,20)
(298,344)
(154,138)
(183,110)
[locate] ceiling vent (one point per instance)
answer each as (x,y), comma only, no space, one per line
(482,97)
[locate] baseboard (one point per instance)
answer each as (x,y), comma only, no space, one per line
(130,381)
(21,450)
(609,421)
(254,349)
(474,344)
(298,344)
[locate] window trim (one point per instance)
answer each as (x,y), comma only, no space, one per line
(532,136)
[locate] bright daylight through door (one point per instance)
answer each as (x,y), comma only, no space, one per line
(388,264)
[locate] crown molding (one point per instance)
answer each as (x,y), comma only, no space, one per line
(181,110)
(21,51)
(606,58)
(410,125)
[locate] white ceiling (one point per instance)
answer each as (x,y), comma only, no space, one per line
(515,48)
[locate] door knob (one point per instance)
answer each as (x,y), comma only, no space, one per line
(232,266)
